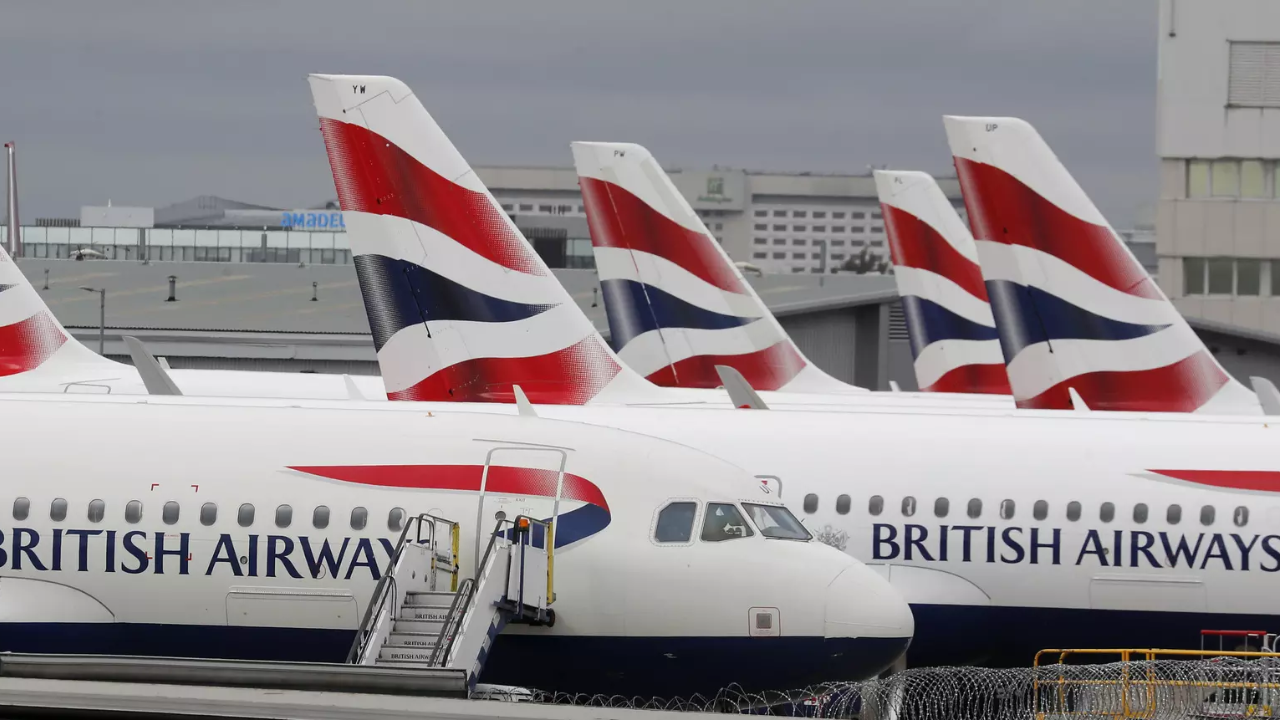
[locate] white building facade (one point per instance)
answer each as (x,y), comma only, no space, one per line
(1218,138)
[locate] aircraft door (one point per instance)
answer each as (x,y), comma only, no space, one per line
(518,481)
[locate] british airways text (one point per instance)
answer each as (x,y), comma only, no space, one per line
(136,552)
(1102,548)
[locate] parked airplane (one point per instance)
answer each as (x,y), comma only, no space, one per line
(1044,576)
(662,551)
(37,354)
(935,263)
(1074,308)
(677,304)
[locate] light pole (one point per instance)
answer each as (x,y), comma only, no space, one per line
(102,316)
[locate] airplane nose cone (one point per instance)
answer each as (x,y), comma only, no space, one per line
(862,604)
(868,625)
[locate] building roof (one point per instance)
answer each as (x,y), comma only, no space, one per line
(276,297)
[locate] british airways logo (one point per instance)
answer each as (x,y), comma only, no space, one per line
(137,552)
(1098,548)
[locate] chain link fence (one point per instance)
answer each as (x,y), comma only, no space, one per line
(1208,689)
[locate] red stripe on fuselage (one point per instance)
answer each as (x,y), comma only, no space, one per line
(571,376)
(988,379)
(373,175)
(1183,387)
(914,243)
(1258,480)
(767,369)
(27,344)
(1003,210)
(618,219)
(502,479)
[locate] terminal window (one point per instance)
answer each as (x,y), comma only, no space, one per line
(1253,74)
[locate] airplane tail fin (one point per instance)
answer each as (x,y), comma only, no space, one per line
(30,336)
(1074,308)
(461,306)
(676,303)
(949,322)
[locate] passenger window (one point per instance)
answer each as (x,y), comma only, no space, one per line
(842,504)
(169,513)
(1040,510)
(675,523)
(1007,509)
(975,508)
(908,506)
(395,520)
(1140,513)
(1073,511)
(724,522)
(1174,514)
(874,507)
(208,514)
(1107,512)
(1207,515)
(97,511)
(1241,516)
(941,507)
(245,516)
(58,510)
(810,504)
(133,511)
(284,516)
(21,508)
(320,517)
(359,518)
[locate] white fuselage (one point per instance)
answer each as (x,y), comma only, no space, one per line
(1056,579)
(260,532)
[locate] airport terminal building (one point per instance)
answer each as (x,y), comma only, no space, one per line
(788,223)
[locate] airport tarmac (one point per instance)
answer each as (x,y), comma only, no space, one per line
(78,698)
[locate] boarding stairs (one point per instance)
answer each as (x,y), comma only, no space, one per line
(423,615)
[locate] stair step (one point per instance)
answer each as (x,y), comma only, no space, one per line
(423,614)
(410,639)
(418,625)
(400,653)
(429,599)
(401,663)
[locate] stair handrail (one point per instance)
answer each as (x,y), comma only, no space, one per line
(461,603)
(387,583)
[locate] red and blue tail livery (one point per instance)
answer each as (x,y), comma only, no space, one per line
(677,305)
(30,337)
(460,306)
(935,263)
(1073,307)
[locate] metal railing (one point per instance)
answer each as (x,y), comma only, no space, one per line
(1142,684)
(387,586)
(461,604)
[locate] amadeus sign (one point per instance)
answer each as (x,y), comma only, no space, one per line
(313,220)
(716,190)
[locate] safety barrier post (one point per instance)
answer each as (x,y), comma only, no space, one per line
(454,534)
(550,541)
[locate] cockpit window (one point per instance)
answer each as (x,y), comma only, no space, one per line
(724,522)
(675,523)
(775,521)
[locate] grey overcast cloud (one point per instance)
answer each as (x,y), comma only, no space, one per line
(148,103)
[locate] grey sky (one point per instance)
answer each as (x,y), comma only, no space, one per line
(149,103)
